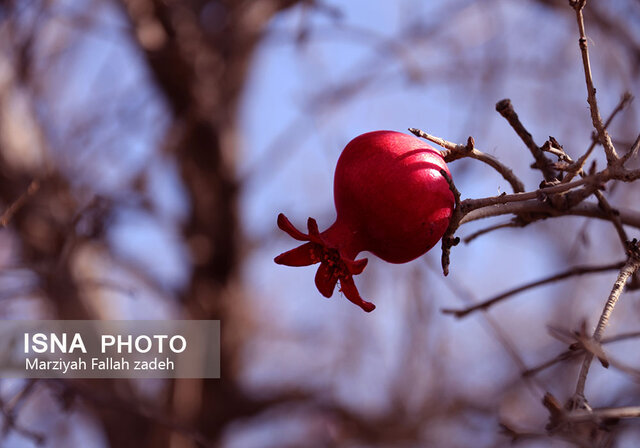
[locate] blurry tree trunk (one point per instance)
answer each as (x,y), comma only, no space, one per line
(199,63)
(46,228)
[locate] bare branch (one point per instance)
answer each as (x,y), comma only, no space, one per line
(573,272)
(472,204)
(448,240)
(598,414)
(548,200)
(513,223)
(596,119)
(455,152)
(613,215)
(553,147)
(627,216)
(505,108)
(632,151)
(10,417)
(18,203)
(577,350)
(632,265)
(577,167)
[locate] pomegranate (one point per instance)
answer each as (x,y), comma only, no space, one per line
(391,200)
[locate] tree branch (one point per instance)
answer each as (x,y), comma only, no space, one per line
(576,168)
(505,108)
(578,349)
(575,271)
(455,152)
(632,265)
(596,119)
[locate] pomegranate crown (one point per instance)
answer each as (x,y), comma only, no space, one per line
(334,265)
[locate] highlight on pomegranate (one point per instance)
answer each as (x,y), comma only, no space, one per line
(391,199)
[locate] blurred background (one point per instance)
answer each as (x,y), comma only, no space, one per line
(148,145)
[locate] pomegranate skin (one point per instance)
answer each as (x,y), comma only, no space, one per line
(391,200)
(389,190)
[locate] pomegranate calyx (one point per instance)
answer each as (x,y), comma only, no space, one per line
(334,266)
(285,225)
(350,291)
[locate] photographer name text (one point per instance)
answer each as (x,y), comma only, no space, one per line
(148,345)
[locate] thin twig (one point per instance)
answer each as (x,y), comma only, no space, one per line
(599,414)
(604,204)
(472,204)
(455,151)
(633,150)
(577,167)
(18,203)
(568,354)
(632,264)
(581,340)
(614,216)
(459,290)
(542,203)
(575,271)
(563,420)
(504,225)
(448,240)
(627,217)
(518,436)
(19,398)
(551,199)
(10,423)
(596,119)
(553,147)
(505,108)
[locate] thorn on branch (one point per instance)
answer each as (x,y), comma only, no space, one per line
(546,184)
(471,144)
(556,412)
(633,249)
(577,4)
(583,341)
(553,147)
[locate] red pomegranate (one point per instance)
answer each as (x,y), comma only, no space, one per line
(391,200)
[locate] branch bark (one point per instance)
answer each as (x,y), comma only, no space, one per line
(630,267)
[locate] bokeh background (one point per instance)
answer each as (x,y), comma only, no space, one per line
(148,146)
